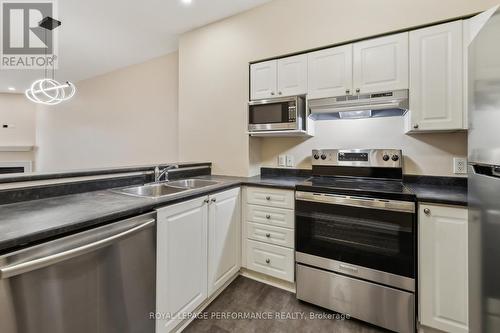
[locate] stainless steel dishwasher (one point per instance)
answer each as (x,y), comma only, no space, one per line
(100,280)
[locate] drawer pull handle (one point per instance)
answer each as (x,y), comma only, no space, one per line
(348,268)
(268,261)
(268,198)
(268,216)
(268,235)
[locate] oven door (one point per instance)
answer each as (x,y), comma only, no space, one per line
(364,237)
(275,114)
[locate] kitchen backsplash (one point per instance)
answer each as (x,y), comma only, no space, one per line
(424,154)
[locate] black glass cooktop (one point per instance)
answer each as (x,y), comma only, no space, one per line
(379,188)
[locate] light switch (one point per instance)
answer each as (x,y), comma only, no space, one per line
(290,161)
(282,160)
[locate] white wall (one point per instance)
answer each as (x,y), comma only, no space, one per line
(213,80)
(126,117)
(16,110)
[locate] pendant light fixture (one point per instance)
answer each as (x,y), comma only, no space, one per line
(48,91)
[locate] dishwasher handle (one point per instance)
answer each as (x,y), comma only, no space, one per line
(30,265)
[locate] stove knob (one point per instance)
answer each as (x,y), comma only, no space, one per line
(323,157)
(395,158)
(316,156)
(385,157)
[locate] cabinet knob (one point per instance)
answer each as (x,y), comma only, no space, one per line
(206,201)
(268,198)
(415,126)
(268,261)
(268,216)
(279,92)
(268,235)
(272,93)
(427,211)
(214,200)
(348,91)
(358,90)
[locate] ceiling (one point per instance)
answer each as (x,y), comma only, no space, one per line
(100,36)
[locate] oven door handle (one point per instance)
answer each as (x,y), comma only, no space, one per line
(353,201)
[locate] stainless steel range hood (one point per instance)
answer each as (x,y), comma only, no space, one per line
(384,104)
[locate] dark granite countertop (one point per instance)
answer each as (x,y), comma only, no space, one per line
(33,221)
(441,194)
(441,190)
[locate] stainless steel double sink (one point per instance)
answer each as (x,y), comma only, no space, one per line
(163,189)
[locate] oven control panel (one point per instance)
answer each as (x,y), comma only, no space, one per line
(386,158)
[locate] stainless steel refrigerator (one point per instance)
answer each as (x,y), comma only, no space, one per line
(484,172)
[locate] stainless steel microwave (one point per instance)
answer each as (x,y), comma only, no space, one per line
(277,114)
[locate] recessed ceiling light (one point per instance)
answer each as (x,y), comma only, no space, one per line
(186,2)
(11,89)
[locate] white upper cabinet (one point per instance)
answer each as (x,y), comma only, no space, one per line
(263,79)
(436,78)
(443,268)
(292,75)
(381,64)
(279,78)
(224,241)
(330,72)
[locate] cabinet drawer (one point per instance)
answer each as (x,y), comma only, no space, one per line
(269,215)
(270,197)
(272,260)
(270,234)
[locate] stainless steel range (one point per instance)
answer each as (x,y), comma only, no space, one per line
(356,237)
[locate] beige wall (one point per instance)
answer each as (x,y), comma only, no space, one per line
(428,154)
(16,110)
(126,117)
(213,80)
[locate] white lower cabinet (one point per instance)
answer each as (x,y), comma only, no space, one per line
(268,232)
(181,270)
(272,260)
(198,251)
(443,268)
(224,245)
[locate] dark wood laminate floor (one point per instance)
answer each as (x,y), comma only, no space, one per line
(247,297)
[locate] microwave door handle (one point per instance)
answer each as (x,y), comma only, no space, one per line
(23,267)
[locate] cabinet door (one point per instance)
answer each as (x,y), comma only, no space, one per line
(292,75)
(224,244)
(381,64)
(263,79)
(330,72)
(436,77)
(181,281)
(443,268)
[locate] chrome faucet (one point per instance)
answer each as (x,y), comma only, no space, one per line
(159,174)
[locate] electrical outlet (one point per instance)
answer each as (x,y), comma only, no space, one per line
(290,161)
(459,165)
(282,160)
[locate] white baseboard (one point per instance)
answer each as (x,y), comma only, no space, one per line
(278,283)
